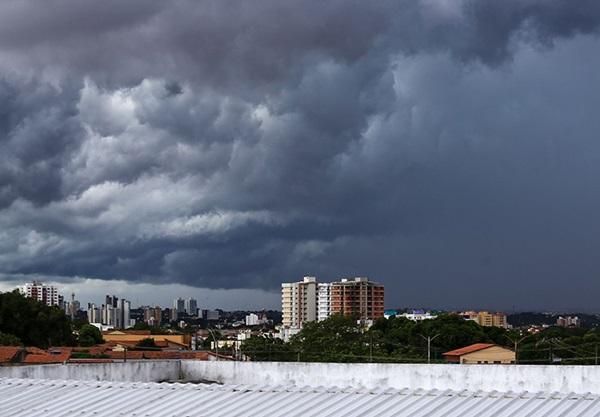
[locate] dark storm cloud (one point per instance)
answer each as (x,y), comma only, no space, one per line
(227,144)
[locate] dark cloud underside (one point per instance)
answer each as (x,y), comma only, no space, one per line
(428,144)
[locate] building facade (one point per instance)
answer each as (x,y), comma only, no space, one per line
(178,306)
(153,315)
(299,302)
(191,307)
(569,321)
(481,353)
(308,300)
(252,319)
(357,296)
(47,294)
(485,318)
(324,301)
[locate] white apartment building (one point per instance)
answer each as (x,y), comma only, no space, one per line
(324,301)
(299,302)
(252,319)
(39,291)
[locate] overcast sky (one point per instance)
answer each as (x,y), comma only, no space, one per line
(449,149)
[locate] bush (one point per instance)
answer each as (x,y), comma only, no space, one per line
(7,339)
(89,335)
(147,342)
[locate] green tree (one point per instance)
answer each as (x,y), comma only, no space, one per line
(337,339)
(267,349)
(33,322)
(9,340)
(89,335)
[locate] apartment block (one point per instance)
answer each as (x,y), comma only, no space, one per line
(308,300)
(299,302)
(485,318)
(357,296)
(324,301)
(39,291)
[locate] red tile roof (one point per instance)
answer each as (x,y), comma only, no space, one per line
(8,353)
(47,358)
(35,350)
(469,349)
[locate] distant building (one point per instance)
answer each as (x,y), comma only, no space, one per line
(324,301)
(94,314)
(211,315)
(299,302)
(390,313)
(481,353)
(114,314)
(152,315)
(166,315)
(252,320)
(47,294)
(569,321)
(191,307)
(485,318)
(179,306)
(357,296)
(72,307)
(307,300)
(417,315)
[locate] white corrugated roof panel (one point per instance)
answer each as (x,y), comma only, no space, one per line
(53,398)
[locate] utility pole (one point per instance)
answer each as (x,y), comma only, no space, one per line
(216,343)
(429,339)
(371,349)
(516,344)
(596,355)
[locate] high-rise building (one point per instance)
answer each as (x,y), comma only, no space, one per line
(324,301)
(39,291)
(191,307)
(112,301)
(153,315)
(299,302)
(179,305)
(357,296)
(94,313)
(123,318)
(72,307)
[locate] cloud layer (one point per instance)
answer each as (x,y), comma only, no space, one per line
(222,144)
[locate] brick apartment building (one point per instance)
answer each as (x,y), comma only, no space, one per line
(357,296)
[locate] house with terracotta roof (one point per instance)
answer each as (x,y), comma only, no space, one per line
(11,354)
(481,353)
(52,355)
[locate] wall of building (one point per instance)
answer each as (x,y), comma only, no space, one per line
(578,379)
(533,378)
(489,355)
(134,338)
(139,371)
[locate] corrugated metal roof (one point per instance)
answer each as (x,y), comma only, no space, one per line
(53,398)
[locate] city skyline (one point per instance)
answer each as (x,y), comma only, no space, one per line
(447,149)
(94,291)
